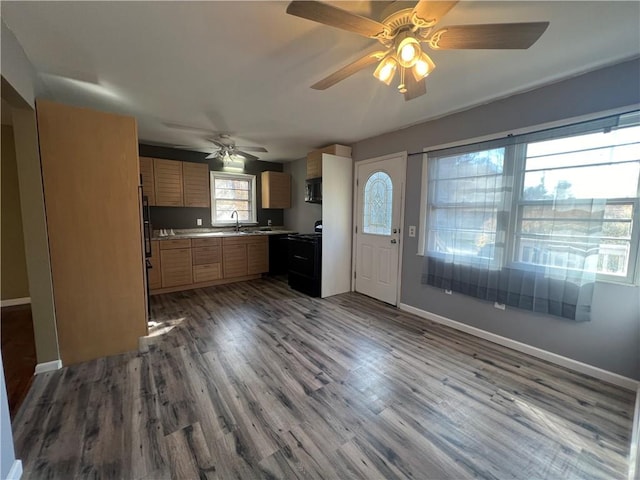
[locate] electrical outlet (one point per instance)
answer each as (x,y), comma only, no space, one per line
(199,222)
(499,306)
(412,230)
(448,292)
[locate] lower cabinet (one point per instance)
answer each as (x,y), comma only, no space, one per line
(183,263)
(175,262)
(207,259)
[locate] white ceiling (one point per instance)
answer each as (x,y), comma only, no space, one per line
(246,67)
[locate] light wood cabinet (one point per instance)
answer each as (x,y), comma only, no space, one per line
(148,183)
(195,177)
(257,255)
(90,179)
(234,257)
(154,273)
(167,175)
(207,273)
(276,190)
(314,159)
(176,262)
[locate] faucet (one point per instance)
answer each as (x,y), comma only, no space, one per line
(235,212)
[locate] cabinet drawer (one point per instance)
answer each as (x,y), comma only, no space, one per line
(177,243)
(206,242)
(239,240)
(206,273)
(205,255)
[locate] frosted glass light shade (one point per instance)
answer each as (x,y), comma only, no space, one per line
(386,70)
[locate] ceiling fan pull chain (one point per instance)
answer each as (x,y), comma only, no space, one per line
(402,88)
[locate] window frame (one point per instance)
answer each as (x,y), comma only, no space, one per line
(515,159)
(252,197)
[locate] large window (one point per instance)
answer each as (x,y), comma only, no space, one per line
(232,192)
(566,200)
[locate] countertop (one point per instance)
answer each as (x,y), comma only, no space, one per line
(226,233)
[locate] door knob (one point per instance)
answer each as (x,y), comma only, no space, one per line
(394,241)
(395,230)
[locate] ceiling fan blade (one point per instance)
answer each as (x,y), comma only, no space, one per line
(179,126)
(253,149)
(427,12)
(415,88)
(490,36)
(246,155)
(336,17)
(212,155)
(348,70)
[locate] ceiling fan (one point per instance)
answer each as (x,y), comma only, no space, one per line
(225,147)
(402,30)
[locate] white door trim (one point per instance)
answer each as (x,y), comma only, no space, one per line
(403,182)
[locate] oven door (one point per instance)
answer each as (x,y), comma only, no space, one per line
(303,257)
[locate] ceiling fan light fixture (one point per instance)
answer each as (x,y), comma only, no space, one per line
(386,70)
(408,50)
(423,67)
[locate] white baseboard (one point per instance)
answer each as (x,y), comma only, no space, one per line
(16,470)
(634,451)
(599,373)
(12,302)
(48,366)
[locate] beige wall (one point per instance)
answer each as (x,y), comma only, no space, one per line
(13,267)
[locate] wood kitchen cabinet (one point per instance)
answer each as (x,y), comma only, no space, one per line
(154,273)
(176,262)
(257,255)
(276,190)
(148,183)
(207,259)
(314,159)
(195,177)
(167,176)
(234,257)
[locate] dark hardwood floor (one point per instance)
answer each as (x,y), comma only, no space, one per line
(253,380)
(18,353)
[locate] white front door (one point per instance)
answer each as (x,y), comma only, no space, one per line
(380,185)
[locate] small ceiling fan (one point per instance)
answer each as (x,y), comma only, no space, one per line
(402,30)
(225,147)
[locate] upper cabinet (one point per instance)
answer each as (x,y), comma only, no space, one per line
(167,176)
(196,184)
(172,183)
(314,159)
(148,185)
(276,190)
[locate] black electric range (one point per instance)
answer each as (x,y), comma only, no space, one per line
(305,262)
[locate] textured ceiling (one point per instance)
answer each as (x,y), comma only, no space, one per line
(245,67)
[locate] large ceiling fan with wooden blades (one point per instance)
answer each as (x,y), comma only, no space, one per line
(404,27)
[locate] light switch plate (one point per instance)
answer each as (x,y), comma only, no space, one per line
(199,222)
(412,230)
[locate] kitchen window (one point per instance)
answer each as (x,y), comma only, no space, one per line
(233,192)
(552,210)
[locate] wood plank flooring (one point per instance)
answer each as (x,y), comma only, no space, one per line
(253,380)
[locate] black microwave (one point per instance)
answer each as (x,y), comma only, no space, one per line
(313,190)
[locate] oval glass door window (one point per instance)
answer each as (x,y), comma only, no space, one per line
(378,203)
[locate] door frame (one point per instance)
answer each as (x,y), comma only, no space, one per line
(403,183)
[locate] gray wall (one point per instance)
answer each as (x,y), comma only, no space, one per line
(302,215)
(7,453)
(611,340)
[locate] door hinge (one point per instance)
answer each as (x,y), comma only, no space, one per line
(356,228)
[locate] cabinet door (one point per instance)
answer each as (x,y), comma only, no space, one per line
(154,273)
(314,165)
(168,182)
(276,190)
(148,184)
(234,260)
(257,256)
(176,267)
(196,184)
(205,255)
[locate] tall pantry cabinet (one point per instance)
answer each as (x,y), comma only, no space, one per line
(91,177)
